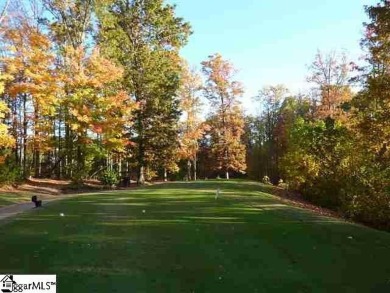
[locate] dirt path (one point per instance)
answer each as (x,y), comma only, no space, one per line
(13,210)
(47,190)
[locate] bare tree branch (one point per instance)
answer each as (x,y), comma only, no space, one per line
(4,11)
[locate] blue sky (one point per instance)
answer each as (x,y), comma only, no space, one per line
(270,41)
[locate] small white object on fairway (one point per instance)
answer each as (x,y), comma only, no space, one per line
(217,193)
(62,214)
(143,211)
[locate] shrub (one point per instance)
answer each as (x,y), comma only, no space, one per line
(372,209)
(109,178)
(10,173)
(266,180)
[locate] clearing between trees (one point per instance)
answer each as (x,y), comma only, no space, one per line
(177,237)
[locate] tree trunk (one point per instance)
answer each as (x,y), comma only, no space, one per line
(165,175)
(60,171)
(189,170)
(68,150)
(141,149)
(195,168)
(36,155)
(15,132)
(80,157)
(141,175)
(24,135)
(37,163)
(227,174)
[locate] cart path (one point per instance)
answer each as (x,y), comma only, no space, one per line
(15,209)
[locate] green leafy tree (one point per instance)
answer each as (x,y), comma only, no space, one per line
(271,98)
(371,200)
(318,159)
(70,21)
(145,38)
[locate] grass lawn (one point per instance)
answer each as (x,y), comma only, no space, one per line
(12,198)
(177,238)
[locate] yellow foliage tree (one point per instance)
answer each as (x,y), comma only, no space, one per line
(96,106)
(227,121)
(34,85)
(6,140)
(191,127)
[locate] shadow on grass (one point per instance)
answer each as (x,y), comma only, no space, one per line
(9,199)
(178,238)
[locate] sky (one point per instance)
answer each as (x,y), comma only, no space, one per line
(272,42)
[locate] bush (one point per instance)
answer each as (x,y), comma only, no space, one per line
(10,173)
(368,200)
(371,208)
(282,184)
(109,178)
(266,180)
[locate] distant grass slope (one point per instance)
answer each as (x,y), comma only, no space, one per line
(44,188)
(11,198)
(177,238)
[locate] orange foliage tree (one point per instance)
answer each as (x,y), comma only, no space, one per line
(192,127)
(30,62)
(330,73)
(227,123)
(97,109)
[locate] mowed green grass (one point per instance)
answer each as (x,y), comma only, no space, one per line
(12,198)
(186,241)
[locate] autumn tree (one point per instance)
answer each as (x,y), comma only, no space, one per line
(70,104)
(226,119)
(145,38)
(371,112)
(6,140)
(271,99)
(192,127)
(254,141)
(70,21)
(32,90)
(317,148)
(267,133)
(98,110)
(330,74)
(3,10)
(373,102)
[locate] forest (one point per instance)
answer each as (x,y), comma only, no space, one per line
(98,89)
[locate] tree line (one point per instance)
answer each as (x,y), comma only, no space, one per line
(98,89)
(332,144)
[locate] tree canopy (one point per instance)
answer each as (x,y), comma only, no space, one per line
(99,89)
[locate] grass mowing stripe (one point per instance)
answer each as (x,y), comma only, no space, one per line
(177,238)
